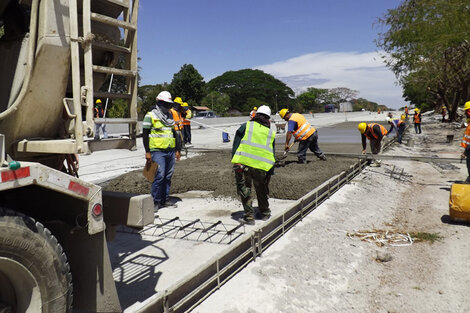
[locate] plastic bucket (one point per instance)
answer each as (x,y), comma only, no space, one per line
(225,137)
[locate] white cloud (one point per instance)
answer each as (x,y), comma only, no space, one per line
(364,72)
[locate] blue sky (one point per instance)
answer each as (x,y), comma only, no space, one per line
(305,43)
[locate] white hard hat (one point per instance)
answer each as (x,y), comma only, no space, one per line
(264,109)
(388,119)
(164,96)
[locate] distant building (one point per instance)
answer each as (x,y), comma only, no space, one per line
(345,107)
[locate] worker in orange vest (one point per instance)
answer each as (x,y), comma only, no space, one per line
(465,143)
(176,113)
(375,133)
(443,113)
(417,121)
(304,133)
(406,112)
(253,113)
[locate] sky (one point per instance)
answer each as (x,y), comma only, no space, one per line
(304,43)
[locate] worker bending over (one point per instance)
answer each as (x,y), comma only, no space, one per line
(398,125)
(465,143)
(375,133)
(304,133)
(253,163)
(160,142)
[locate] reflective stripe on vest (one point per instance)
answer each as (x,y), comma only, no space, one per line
(466,138)
(178,120)
(304,129)
(161,136)
(371,132)
(256,147)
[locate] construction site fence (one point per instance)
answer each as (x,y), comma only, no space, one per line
(191,291)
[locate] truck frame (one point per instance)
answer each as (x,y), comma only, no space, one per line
(54,226)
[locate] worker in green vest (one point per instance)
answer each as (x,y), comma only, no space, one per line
(162,145)
(253,163)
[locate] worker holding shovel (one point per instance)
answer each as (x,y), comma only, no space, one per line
(253,163)
(304,133)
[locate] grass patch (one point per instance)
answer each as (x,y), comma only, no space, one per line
(422,236)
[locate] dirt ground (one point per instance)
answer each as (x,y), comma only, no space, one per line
(320,266)
(212,171)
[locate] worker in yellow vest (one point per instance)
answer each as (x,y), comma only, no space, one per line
(187,123)
(465,143)
(304,133)
(253,163)
(160,143)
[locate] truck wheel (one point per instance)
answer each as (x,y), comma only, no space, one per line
(34,273)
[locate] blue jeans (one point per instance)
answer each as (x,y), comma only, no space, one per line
(162,182)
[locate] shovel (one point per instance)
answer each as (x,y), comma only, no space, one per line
(284,155)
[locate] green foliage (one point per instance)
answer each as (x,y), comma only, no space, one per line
(188,84)
(2,31)
(218,102)
(118,108)
(428,50)
(422,236)
(244,84)
(147,95)
(361,103)
(313,100)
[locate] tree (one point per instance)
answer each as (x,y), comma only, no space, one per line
(342,94)
(147,95)
(218,102)
(188,84)
(313,100)
(428,48)
(243,84)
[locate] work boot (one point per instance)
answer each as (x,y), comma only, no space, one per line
(247,220)
(323,157)
(168,203)
(156,207)
(302,161)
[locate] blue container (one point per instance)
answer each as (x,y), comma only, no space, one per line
(225,137)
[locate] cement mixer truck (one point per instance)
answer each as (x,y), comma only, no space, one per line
(54,57)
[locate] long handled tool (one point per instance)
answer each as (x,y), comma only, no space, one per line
(284,154)
(395,157)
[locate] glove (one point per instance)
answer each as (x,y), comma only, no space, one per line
(238,168)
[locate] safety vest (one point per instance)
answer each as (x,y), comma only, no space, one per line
(370,132)
(256,147)
(161,136)
(399,123)
(304,129)
(252,114)
(178,120)
(417,118)
(99,112)
(466,138)
(186,120)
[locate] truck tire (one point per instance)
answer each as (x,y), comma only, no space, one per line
(34,273)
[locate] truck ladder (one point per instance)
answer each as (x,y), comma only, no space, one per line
(127,52)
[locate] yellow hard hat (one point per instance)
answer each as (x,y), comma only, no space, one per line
(283,112)
(416,110)
(185,104)
(403,117)
(467,106)
(362,127)
(178,100)
(255,108)
(98,101)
